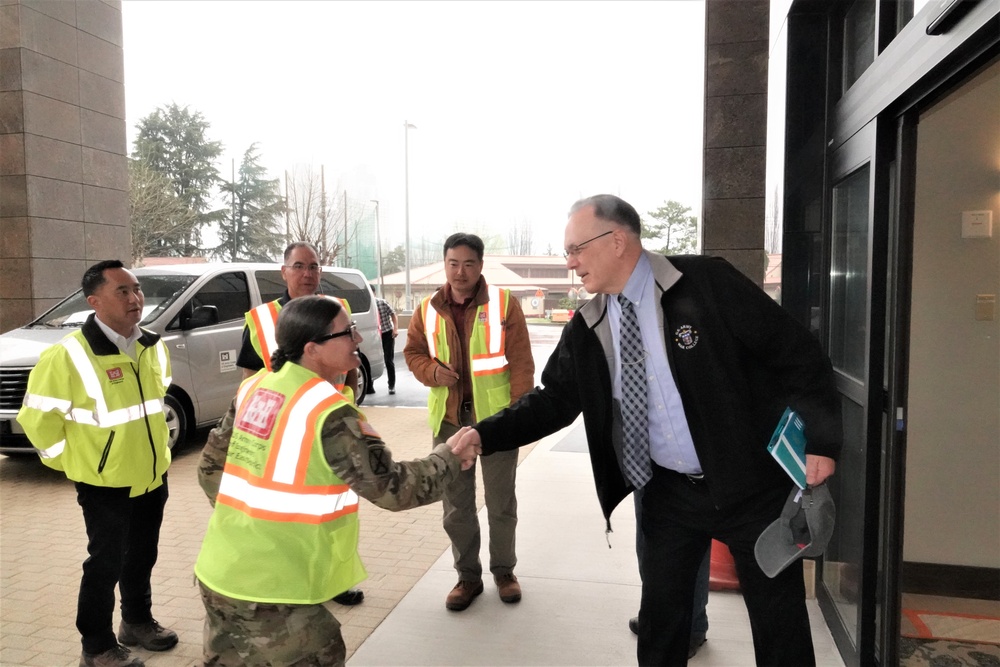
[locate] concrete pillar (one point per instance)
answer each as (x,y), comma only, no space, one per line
(736,43)
(63,168)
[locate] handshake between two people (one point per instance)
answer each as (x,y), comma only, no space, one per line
(466,445)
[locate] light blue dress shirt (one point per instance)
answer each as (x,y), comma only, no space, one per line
(670,442)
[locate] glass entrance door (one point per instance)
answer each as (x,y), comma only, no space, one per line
(856,291)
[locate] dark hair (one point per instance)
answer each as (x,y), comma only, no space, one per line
(299,244)
(613,209)
(469,240)
(93,277)
(299,322)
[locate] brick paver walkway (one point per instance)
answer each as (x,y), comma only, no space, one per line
(43,543)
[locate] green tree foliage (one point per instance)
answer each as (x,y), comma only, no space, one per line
(394,261)
(675,226)
(158,217)
(173,141)
(252,231)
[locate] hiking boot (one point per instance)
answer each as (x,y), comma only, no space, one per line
(116,656)
(462,594)
(151,636)
(509,589)
(350,597)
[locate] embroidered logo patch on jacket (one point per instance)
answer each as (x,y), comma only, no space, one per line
(686,336)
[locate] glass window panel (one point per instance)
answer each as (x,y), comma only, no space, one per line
(859,40)
(228,293)
(849,275)
(842,559)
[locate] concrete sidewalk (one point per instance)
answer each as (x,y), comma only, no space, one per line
(578,593)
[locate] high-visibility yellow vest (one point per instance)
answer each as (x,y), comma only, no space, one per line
(262,322)
(487,357)
(97,415)
(285,526)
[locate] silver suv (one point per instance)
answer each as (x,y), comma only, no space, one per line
(199,310)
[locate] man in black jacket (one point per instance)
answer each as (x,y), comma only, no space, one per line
(722,362)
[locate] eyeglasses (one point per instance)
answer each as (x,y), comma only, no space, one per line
(299,266)
(575,250)
(349,331)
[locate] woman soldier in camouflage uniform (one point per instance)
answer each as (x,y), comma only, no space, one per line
(283,537)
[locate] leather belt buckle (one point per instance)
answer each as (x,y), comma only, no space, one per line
(465,406)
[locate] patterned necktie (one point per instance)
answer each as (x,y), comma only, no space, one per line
(635,454)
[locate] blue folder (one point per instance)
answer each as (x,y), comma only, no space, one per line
(788,446)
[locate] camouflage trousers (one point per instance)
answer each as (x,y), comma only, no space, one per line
(238,632)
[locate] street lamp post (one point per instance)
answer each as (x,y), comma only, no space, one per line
(378,248)
(406,175)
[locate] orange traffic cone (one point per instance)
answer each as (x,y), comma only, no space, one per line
(722,569)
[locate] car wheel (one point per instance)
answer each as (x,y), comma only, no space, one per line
(176,422)
(364,381)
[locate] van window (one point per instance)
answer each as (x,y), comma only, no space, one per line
(159,293)
(348,286)
(228,292)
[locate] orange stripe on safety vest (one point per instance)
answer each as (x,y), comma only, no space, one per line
(267,483)
(262,339)
(279,429)
(269,515)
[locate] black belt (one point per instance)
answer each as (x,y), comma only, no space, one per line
(696,479)
(465,406)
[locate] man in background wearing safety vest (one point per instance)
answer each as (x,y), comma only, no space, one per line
(469,343)
(301,272)
(94,410)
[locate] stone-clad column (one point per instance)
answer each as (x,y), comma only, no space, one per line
(63,169)
(736,54)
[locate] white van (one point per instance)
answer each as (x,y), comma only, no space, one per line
(199,310)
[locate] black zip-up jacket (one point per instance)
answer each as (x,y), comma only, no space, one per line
(738,359)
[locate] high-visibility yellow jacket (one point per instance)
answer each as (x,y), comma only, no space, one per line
(97,415)
(285,526)
(487,357)
(262,323)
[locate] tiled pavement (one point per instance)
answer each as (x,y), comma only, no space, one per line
(578,593)
(43,543)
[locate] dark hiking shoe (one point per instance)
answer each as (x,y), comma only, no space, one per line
(151,636)
(117,656)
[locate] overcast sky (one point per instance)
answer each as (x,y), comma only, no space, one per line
(520,107)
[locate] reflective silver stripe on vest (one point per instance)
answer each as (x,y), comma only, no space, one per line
(267,327)
(53,451)
(431,327)
(485,364)
(495,317)
(101,416)
(161,355)
(47,403)
(287,460)
(285,502)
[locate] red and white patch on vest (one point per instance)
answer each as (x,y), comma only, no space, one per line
(261,411)
(368,430)
(115,374)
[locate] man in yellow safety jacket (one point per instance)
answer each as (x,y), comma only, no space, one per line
(94,410)
(469,343)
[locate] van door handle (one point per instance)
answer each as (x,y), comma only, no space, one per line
(180,346)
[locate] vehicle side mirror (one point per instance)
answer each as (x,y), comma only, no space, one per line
(202,316)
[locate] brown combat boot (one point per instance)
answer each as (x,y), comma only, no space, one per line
(116,656)
(462,594)
(509,589)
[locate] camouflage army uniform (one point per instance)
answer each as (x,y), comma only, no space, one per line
(240,632)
